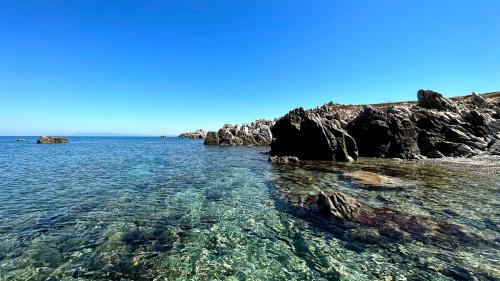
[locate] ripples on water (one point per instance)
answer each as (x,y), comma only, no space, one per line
(174,209)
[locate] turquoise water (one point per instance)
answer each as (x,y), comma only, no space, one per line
(174,209)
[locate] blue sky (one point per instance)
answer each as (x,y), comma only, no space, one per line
(163,67)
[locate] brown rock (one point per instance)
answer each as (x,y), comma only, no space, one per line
(50,140)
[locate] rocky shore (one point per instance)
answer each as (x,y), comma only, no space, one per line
(198,134)
(432,127)
(257,133)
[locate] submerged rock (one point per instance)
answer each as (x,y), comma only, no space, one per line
(49,140)
(373,179)
(283,159)
(338,205)
(198,134)
(390,224)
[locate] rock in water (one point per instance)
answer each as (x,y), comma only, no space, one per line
(257,133)
(48,140)
(338,205)
(371,179)
(308,136)
(212,138)
(434,100)
(198,134)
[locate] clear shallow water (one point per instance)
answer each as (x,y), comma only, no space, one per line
(174,209)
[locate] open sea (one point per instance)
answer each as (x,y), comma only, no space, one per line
(132,208)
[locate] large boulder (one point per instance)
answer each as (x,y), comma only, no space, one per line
(308,136)
(49,140)
(434,100)
(387,132)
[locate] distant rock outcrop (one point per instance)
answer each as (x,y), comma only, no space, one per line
(432,127)
(48,140)
(198,134)
(257,133)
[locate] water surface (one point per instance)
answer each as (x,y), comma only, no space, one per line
(174,209)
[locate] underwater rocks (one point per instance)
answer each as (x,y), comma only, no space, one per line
(308,136)
(49,140)
(257,133)
(370,179)
(338,205)
(379,225)
(283,159)
(433,127)
(198,134)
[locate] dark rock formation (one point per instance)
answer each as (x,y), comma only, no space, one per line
(212,138)
(48,140)
(283,159)
(433,127)
(257,133)
(434,100)
(308,136)
(198,134)
(385,132)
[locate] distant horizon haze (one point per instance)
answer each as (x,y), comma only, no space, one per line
(151,68)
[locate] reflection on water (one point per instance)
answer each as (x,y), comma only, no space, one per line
(156,209)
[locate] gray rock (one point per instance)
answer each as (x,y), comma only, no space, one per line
(434,100)
(479,101)
(283,159)
(257,133)
(338,205)
(198,134)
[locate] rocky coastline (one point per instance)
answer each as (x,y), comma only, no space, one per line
(432,127)
(198,134)
(257,133)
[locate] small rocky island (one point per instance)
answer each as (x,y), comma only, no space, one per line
(51,140)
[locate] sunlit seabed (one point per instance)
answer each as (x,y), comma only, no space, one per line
(158,209)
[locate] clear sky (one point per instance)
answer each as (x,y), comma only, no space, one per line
(163,67)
